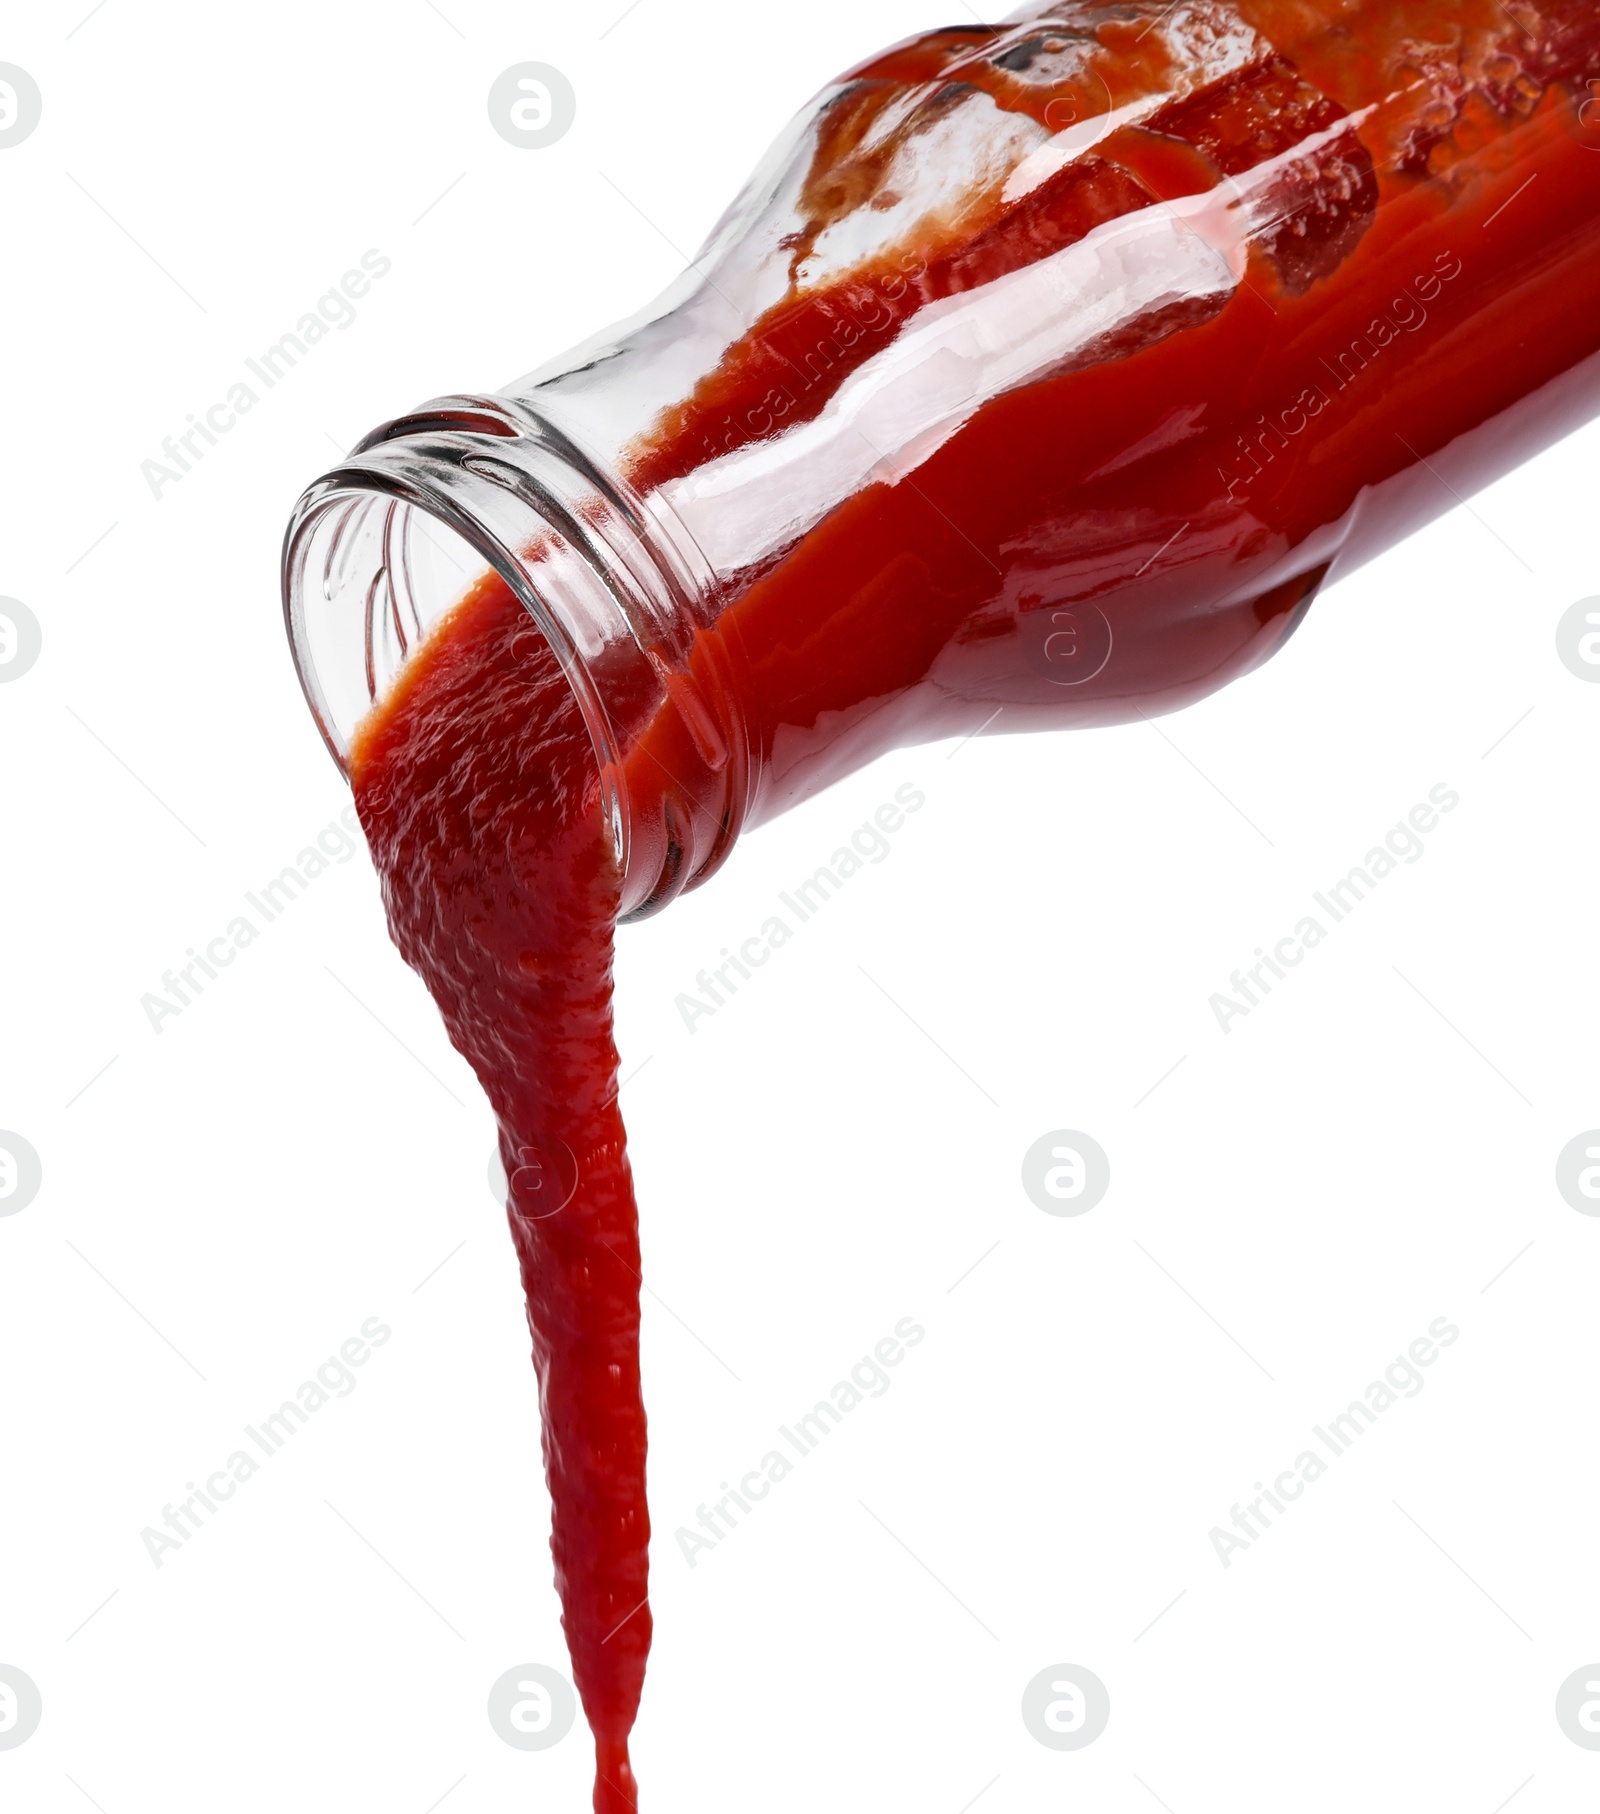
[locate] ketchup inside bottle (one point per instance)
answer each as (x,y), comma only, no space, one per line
(1426,160)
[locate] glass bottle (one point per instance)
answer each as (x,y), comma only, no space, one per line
(1040,376)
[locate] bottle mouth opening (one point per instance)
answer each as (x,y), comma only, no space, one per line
(369,574)
(383,547)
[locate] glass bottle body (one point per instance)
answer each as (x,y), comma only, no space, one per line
(1040,377)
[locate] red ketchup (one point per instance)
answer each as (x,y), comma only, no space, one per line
(477,789)
(1051,366)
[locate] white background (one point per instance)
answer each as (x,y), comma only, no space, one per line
(235,1195)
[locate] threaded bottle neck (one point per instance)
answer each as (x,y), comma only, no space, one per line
(382,546)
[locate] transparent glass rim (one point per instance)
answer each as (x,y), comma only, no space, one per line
(347,488)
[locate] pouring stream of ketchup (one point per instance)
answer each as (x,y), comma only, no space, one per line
(1443,164)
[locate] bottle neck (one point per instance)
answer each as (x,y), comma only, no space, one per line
(382,547)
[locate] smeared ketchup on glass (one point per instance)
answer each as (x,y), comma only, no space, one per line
(1412,274)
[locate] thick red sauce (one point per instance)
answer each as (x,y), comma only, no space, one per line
(477,790)
(1254,421)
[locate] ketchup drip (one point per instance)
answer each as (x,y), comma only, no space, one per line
(478,794)
(1175,470)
